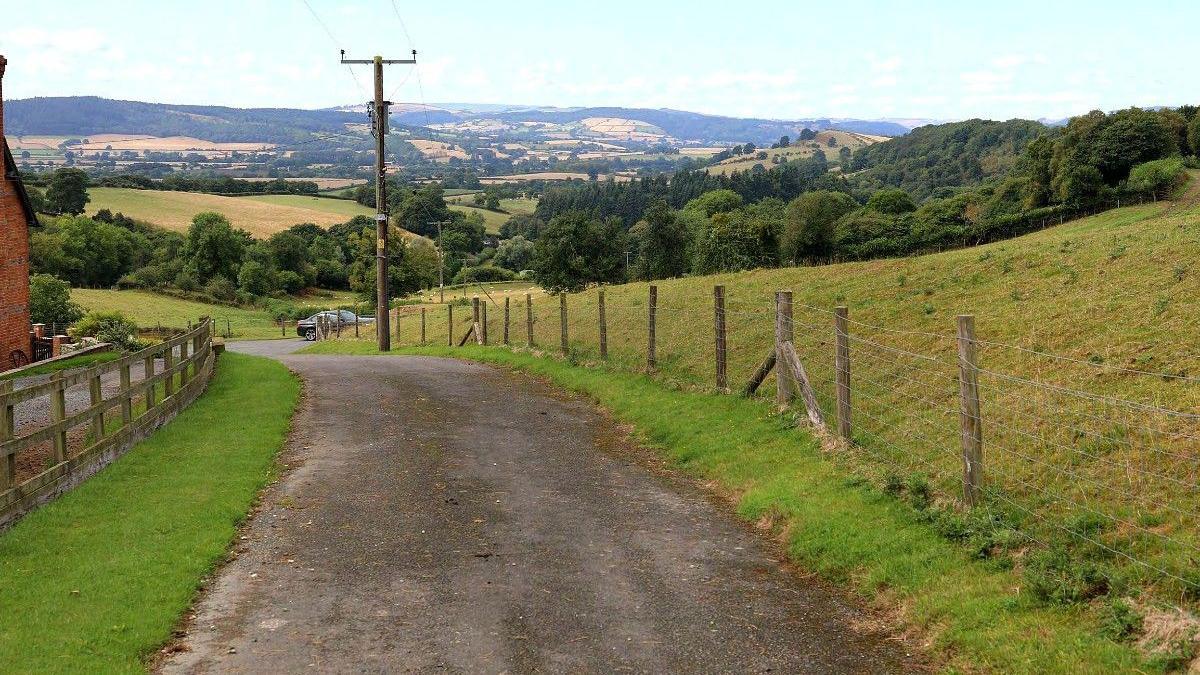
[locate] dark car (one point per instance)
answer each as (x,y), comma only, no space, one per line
(307,328)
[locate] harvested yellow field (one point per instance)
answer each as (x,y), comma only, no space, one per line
(798,150)
(546,175)
(439,151)
(260,217)
(117,142)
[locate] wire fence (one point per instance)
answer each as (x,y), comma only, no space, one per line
(1071,452)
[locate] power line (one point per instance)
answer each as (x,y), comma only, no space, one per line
(361,90)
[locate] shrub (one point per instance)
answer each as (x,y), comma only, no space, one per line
(469,275)
(256,278)
(1157,178)
(221,288)
(50,300)
(1119,620)
(109,326)
(290,282)
(1055,575)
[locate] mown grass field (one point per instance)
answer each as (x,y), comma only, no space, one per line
(96,580)
(261,215)
(1088,334)
(832,522)
(149,310)
(797,150)
(492,220)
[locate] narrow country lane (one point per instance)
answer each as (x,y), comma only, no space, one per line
(438,515)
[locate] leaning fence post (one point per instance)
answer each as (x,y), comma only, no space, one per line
(529,319)
(969,419)
(183,355)
(719,334)
(603,325)
(506,319)
(8,431)
(842,365)
(651,346)
(562,318)
(450,325)
(58,413)
(422,326)
(784,390)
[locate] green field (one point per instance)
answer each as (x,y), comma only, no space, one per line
(261,215)
(1088,332)
(492,220)
(149,310)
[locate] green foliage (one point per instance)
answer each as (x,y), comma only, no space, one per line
(716,201)
(729,242)
(1119,621)
(1193,135)
(809,226)
(221,288)
(214,248)
(109,326)
(471,275)
(67,193)
(576,249)
(892,202)
(256,278)
(50,301)
(1158,177)
(515,254)
(866,233)
(945,155)
(1061,576)
(662,241)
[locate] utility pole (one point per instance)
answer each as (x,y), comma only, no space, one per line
(379,126)
(441,261)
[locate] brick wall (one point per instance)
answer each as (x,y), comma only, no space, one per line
(14,261)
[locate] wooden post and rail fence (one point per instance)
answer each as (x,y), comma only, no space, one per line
(107,427)
(793,386)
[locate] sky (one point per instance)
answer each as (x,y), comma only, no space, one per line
(783,60)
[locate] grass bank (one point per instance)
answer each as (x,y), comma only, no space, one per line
(96,580)
(974,612)
(81,361)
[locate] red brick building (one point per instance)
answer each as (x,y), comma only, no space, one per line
(16,217)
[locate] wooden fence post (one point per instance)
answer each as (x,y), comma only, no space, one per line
(450,325)
(483,322)
(506,318)
(603,325)
(126,397)
(529,319)
(562,318)
(169,380)
(969,414)
(422,326)
(183,354)
(719,333)
(784,389)
(96,398)
(148,372)
(58,413)
(8,431)
(842,365)
(651,346)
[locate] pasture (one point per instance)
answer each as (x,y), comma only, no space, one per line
(260,215)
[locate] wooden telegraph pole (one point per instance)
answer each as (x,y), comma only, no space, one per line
(379,126)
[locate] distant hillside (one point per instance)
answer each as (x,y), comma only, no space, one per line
(85,115)
(956,154)
(679,124)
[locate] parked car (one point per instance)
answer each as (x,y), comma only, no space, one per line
(307,328)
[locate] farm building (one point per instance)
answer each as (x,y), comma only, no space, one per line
(16,217)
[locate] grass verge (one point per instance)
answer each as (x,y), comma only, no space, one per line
(96,580)
(974,612)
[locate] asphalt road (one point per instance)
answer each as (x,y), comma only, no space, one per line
(439,515)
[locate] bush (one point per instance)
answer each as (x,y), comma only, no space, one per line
(1157,179)
(470,275)
(50,300)
(256,278)
(1057,576)
(290,282)
(109,326)
(221,288)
